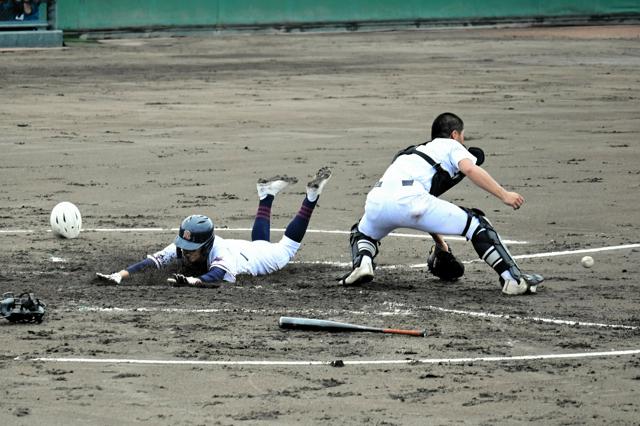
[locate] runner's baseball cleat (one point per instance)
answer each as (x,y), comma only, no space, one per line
(315,186)
(273,185)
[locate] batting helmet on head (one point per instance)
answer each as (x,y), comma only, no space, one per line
(196,231)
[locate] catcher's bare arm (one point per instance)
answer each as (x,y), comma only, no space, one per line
(440,242)
(484,180)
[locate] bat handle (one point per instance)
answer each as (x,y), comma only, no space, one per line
(419,333)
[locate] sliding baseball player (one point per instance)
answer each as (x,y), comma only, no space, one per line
(218,259)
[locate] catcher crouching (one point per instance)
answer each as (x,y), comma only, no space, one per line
(407,196)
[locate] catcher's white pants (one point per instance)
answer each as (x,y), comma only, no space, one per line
(395,205)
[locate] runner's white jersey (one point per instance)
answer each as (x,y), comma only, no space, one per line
(165,256)
(239,256)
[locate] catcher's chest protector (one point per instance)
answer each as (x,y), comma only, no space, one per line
(442,180)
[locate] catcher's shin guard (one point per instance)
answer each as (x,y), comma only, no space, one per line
(490,248)
(363,250)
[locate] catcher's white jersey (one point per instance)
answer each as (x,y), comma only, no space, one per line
(447,152)
(239,256)
(401,198)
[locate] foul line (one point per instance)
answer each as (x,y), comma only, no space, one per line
(520,256)
(534,319)
(242,310)
(579,251)
(340,362)
(549,254)
(396,311)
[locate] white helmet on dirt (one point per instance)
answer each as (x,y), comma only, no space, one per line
(66,220)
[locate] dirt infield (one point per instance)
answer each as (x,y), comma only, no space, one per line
(140,133)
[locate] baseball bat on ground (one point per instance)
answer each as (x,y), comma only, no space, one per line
(325,325)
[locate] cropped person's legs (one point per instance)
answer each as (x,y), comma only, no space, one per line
(443,217)
(387,208)
(376,223)
(384,213)
(267,190)
(298,225)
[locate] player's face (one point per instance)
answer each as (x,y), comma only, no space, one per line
(193,256)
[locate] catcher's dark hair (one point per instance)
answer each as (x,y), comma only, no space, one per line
(444,124)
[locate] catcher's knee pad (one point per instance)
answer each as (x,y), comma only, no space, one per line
(361,245)
(490,247)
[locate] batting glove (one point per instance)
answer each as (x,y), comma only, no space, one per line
(179,280)
(114,278)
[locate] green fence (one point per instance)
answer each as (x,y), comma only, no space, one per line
(81,15)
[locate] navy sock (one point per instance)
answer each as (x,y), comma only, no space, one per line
(298,226)
(262,223)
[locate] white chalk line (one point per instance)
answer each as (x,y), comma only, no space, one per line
(579,251)
(520,256)
(309,231)
(578,355)
(395,312)
(424,265)
(409,312)
(335,312)
(534,319)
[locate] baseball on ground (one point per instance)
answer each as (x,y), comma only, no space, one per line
(587,261)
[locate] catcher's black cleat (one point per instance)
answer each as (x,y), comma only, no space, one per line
(532,281)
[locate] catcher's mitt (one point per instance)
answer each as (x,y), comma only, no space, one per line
(24,308)
(444,265)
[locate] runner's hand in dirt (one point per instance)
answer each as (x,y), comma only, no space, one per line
(179,280)
(114,278)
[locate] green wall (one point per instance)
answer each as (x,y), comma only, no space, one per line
(120,14)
